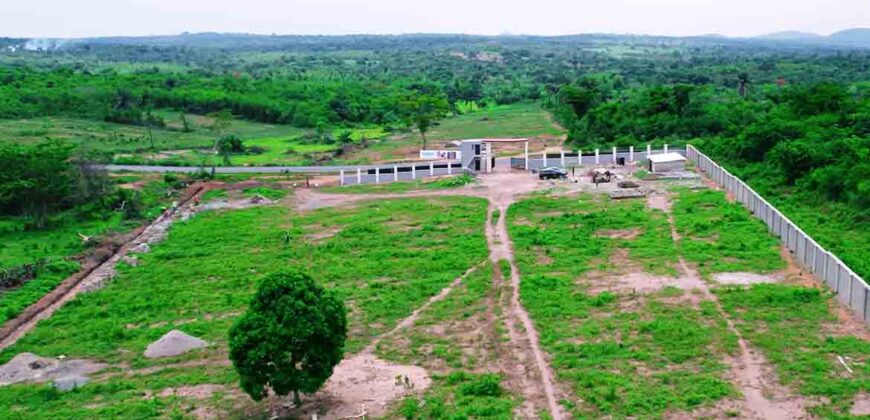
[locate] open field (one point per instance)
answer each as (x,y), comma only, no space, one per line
(54,249)
(637,323)
(508,121)
(676,305)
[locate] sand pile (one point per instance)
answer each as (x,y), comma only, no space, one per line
(173,343)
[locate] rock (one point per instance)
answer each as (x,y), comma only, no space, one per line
(142,249)
(132,261)
(69,383)
(627,184)
(173,343)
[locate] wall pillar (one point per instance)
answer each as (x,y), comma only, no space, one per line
(341,177)
(631,153)
(614,155)
(666,147)
(395,173)
(431,169)
(597,157)
(414,171)
(562,158)
(449,168)
(358,175)
(377,175)
(648,150)
(527,156)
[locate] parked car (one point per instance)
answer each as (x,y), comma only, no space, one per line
(552,173)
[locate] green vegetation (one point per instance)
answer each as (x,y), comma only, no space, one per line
(804,146)
(720,236)
(53,209)
(201,276)
(290,338)
(462,395)
(794,328)
(621,355)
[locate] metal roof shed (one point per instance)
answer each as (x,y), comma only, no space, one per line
(667,162)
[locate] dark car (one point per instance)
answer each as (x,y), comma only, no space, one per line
(552,173)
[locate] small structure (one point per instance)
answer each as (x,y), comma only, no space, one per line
(667,162)
(478,155)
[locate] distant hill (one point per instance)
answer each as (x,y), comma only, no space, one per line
(791,36)
(857,36)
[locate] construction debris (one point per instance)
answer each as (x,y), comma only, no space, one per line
(627,184)
(66,374)
(633,193)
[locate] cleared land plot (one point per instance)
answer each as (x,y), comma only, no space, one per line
(385,258)
(51,249)
(517,120)
(630,337)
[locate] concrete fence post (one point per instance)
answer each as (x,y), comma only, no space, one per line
(544,159)
(666,147)
(377,175)
(597,157)
(580,157)
(431,168)
(341,177)
(631,153)
(527,156)
(614,155)
(562,157)
(359,175)
(449,168)
(414,171)
(648,150)
(395,173)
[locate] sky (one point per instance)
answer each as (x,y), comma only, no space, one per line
(85,18)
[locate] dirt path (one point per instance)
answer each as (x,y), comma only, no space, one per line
(529,371)
(749,370)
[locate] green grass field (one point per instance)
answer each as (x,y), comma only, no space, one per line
(630,354)
(206,270)
(56,244)
(502,121)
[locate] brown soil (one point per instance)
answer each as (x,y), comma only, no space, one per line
(198,392)
(619,233)
(861,406)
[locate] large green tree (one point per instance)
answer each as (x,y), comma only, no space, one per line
(290,338)
(35,180)
(423,110)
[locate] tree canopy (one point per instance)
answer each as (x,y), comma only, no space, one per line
(290,338)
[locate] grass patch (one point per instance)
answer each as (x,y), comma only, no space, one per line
(461,395)
(621,355)
(792,326)
(720,236)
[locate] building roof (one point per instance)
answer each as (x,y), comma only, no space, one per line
(667,157)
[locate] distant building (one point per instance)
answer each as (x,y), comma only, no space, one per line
(667,162)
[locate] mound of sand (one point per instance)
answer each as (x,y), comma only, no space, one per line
(173,343)
(66,374)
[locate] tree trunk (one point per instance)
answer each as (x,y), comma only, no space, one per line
(423,135)
(296,400)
